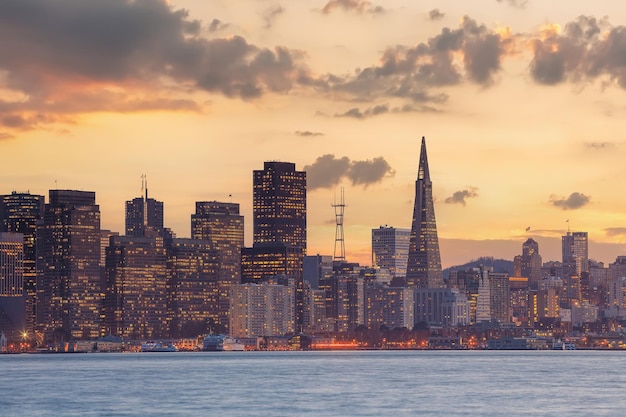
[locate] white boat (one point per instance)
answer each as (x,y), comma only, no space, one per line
(563,345)
(156,346)
(220,342)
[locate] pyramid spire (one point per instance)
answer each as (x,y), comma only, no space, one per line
(423,173)
(424,263)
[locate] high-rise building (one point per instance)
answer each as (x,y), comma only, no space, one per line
(221,225)
(19,213)
(264,261)
(494,297)
(68,272)
(424,262)
(279,216)
(193,288)
(441,306)
(316,267)
(279,205)
(136,287)
(390,306)
(390,249)
(12,299)
(575,265)
(143,213)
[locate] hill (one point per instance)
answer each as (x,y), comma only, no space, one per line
(498,265)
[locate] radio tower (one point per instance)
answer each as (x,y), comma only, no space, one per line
(339,230)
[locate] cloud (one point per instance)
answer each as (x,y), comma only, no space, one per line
(435,14)
(270,15)
(588,49)
(328,171)
(57,50)
(574,201)
(217,25)
(4,135)
(615,231)
(358,6)
(308,133)
(600,145)
(411,73)
(459,197)
(356,113)
(369,171)
(515,3)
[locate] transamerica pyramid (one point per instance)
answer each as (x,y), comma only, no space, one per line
(424,263)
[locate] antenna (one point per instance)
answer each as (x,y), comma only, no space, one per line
(339,208)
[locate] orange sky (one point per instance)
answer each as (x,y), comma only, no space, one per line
(521,103)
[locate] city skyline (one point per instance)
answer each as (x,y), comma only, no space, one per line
(520,102)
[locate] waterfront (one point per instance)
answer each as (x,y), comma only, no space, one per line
(350,383)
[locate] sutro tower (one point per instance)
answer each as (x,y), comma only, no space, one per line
(339,208)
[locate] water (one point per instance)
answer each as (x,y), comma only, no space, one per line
(363,383)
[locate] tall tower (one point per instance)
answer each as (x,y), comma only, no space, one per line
(339,237)
(530,261)
(143,213)
(424,263)
(68,271)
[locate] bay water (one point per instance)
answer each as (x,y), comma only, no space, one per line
(339,383)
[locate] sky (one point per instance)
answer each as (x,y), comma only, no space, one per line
(521,102)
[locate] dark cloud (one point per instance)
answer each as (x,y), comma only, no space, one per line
(217,25)
(574,201)
(515,3)
(308,133)
(459,197)
(615,231)
(412,72)
(327,171)
(435,14)
(270,15)
(358,6)
(369,171)
(586,50)
(54,50)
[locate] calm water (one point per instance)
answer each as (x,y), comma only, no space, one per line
(370,383)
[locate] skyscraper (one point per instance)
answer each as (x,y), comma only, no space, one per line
(279,214)
(424,263)
(575,264)
(390,249)
(143,213)
(19,213)
(279,204)
(12,300)
(221,225)
(68,271)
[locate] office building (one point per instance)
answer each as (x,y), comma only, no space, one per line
(446,307)
(315,268)
(12,298)
(136,297)
(530,261)
(19,213)
(390,249)
(193,288)
(221,225)
(424,260)
(68,273)
(393,307)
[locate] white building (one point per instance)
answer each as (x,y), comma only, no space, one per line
(390,249)
(265,309)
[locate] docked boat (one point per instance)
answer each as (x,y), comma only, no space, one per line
(563,345)
(156,346)
(220,342)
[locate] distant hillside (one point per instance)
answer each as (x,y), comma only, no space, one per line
(498,265)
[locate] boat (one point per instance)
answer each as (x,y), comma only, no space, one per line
(156,346)
(563,345)
(220,342)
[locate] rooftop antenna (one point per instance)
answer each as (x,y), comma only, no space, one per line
(339,241)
